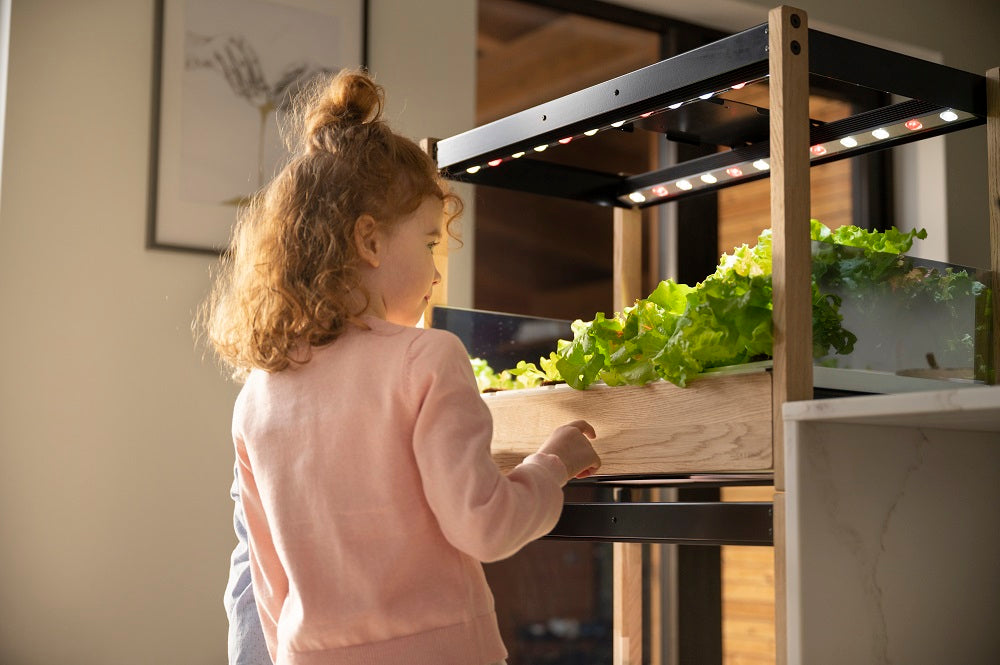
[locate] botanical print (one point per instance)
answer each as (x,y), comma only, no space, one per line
(244,60)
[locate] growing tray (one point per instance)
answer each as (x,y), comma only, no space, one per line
(719,423)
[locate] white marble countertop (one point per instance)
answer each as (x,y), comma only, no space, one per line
(892,528)
(970,409)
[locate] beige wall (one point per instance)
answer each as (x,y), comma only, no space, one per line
(114,454)
(115,459)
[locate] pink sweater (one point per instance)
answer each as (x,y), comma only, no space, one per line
(371,498)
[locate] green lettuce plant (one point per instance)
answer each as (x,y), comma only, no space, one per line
(679,331)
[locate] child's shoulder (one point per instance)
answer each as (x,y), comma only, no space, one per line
(437,341)
(423,340)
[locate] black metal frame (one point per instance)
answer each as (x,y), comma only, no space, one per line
(689,523)
(727,62)
(719,65)
(732,60)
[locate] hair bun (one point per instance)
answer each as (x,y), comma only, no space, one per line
(349,99)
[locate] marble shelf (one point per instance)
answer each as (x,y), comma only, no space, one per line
(892,528)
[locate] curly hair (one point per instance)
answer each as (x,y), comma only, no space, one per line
(284,285)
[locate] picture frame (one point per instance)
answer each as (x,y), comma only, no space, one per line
(224,72)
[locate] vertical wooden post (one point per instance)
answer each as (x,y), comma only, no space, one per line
(789,90)
(627,271)
(627,281)
(655,579)
(993,178)
(788,45)
(440,294)
(627,604)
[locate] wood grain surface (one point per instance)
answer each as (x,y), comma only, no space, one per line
(627,603)
(791,258)
(627,271)
(718,423)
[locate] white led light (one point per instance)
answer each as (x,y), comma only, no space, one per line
(518,155)
(880,134)
(761,165)
(590,132)
(637,197)
(949,116)
(473,169)
(618,124)
(540,148)
(707,95)
(684,184)
(849,142)
(709,179)
(674,107)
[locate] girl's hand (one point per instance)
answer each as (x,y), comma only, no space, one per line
(571,443)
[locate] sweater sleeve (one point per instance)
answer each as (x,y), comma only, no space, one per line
(246,638)
(270,591)
(481,511)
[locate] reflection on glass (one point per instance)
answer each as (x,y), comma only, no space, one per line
(912,317)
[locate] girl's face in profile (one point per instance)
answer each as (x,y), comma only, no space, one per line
(401,284)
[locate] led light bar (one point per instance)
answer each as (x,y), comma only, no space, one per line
(824,150)
(618,124)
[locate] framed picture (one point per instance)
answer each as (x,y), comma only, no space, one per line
(224,74)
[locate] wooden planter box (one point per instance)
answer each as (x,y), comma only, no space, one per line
(719,423)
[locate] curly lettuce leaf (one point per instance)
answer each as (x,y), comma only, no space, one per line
(679,331)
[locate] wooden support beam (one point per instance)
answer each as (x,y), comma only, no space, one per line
(788,47)
(627,281)
(792,315)
(656,580)
(627,269)
(627,603)
(780,586)
(993,177)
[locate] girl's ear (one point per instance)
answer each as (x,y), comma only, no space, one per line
(368,240)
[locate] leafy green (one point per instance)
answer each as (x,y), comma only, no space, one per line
(679,331)
(525,375)
(892,241)
(887,286)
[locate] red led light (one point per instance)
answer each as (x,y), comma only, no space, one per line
(914,124)
(660,190)
(494,162)
(734,171)
(817,150)
(566,140)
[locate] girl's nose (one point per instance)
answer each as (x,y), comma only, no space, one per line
(437,276)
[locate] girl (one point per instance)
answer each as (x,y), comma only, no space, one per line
(362,444)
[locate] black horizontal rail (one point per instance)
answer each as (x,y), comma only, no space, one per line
(723,63)
(876,68)
(690,523)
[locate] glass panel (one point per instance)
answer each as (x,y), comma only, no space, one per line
(502,339)
(912,317)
